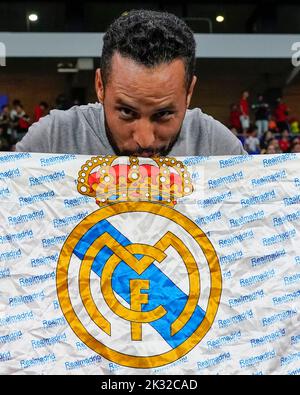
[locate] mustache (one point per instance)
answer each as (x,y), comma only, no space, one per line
(140,151)
(146,151)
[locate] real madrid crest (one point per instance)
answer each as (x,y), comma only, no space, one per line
(138,282)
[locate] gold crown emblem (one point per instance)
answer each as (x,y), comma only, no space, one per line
(162,180)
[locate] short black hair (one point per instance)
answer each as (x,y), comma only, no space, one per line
(149,38)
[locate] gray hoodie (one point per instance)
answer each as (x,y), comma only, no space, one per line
(81,130)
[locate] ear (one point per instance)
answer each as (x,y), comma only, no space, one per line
(190,91)
(99,86)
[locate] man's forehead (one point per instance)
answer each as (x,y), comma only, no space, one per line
(157,103)
(127,73)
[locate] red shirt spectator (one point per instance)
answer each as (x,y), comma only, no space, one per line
(284,145)
(284,142)
(24,122)
(281,112)
(40,111)
(235,117)
(244,106)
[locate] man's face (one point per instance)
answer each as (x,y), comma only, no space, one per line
(144,107)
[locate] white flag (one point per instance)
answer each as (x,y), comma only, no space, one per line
(123,265)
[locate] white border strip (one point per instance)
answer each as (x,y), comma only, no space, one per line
(90,45)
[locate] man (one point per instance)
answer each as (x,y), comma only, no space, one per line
(244,108)
(40,110)
(144,88)
(281,115)
(20,121)
(262,113)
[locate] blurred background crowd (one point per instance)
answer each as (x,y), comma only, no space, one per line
(247,63)
(263,128)
(15,120)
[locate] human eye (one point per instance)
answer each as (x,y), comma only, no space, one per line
(126,113)
(164,115)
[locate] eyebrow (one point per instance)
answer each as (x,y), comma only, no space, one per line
(169,107)
(123,103)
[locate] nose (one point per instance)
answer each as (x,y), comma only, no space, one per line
(144,134)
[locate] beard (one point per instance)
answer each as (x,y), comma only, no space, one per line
(147,152)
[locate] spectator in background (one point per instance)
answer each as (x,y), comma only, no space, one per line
(275,144)
(244,108)
(40,111)
(5,122)
(284,142)
(261,116)
(252,145)
(4,128)
(264,141)
(272,124)
(23,124)
(20,121)
(240,136)
(294,125)
(295,141)
(14,120)
(281,115)
(4,145)
(295,148)
(234,120)
(271,149)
